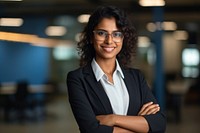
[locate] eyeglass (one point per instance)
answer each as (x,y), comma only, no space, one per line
(101,35)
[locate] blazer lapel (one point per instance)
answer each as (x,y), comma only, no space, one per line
(97,88)
(129,82)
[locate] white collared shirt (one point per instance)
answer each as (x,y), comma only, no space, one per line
(116,92)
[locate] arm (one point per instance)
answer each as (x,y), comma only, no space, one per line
(157,121)
(81,106)
(121,130)
(126,122)
(154,120)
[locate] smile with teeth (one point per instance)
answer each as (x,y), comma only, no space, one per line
(108,49)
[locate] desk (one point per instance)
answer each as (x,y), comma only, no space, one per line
(177,91)
(9,89)
(178,87)
(33,99)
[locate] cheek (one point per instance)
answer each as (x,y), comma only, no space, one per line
(120,46)
(96,46)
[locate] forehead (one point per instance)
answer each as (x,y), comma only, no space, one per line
(108,24)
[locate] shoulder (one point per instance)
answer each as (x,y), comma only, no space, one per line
(74,76)
(134,74)
(75,73)
(79,72)
(132,71)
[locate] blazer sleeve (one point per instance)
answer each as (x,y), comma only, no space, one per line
(81,106)
(157,122)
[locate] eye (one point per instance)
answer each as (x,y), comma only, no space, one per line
(117,34)
(101,33)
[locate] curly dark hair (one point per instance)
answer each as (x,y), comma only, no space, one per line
(85,46)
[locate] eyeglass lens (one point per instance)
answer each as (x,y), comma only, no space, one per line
(102,35)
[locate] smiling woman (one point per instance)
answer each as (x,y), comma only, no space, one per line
(106,96)
(117,27)
(106,44)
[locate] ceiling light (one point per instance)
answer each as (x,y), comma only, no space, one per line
(17,37)
(169,26)
(30,38)
(83,18)
(13,22)
(55,30)
(180,35)
(143,41)
(152,2)
(151,27)
(11,0)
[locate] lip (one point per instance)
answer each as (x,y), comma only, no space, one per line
(108,49)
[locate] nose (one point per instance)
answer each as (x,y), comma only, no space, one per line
(109,39)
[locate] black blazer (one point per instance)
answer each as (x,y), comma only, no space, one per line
(88,99)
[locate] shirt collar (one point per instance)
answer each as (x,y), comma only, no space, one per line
(98,72)
(118,69)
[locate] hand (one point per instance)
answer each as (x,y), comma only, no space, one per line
(106,119)
(149,108)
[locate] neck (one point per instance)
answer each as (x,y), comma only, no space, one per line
(108,66)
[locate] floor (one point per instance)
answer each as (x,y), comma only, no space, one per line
(59,119)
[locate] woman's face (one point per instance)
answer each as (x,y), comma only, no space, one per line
(107,39)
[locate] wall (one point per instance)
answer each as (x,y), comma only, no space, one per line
(172,50)
(23,62)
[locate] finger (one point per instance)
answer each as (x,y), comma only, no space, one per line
(153,111)
(149,109)
(145,106)
(99,117)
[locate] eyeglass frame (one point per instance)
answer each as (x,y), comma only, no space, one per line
(107,35)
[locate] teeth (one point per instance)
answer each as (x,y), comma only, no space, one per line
(108,49)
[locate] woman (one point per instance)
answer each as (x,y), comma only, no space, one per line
(105,95)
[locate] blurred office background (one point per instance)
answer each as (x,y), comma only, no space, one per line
(38,48)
